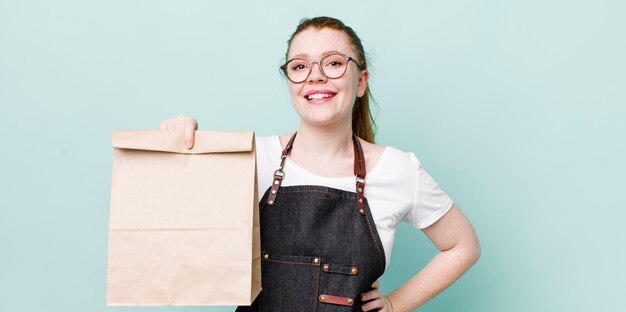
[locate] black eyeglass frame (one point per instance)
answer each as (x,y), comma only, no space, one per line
(318,61)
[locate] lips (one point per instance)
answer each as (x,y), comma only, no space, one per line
(319,95)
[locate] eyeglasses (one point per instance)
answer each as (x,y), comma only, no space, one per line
(332,66)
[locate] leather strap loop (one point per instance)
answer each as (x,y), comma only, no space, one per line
(279,174)
(278,179)
(359,172)
(344,301)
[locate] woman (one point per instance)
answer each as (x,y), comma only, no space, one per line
(325,238)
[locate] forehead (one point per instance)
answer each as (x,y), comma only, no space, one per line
(312,43)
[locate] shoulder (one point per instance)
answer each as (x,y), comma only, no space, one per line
(265,140)
(372,152)
(284,139)
(390,158)
(393,159)
(402,157)
(267,150)
(371,149)
(266,143)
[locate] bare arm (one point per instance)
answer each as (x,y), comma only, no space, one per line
(459,250)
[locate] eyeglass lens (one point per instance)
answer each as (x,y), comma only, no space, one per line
(333,66)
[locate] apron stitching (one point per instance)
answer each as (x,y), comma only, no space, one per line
(319,191)
(369,225)
(288,262)
(317,291)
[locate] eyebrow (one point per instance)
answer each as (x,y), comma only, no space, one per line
(304,55)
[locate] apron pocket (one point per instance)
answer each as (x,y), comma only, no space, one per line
(290,283)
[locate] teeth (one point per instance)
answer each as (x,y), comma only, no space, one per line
(317,96)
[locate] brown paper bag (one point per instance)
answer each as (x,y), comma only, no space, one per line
(183,224)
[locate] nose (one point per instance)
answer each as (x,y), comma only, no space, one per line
(316,74)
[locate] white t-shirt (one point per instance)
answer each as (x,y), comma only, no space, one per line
(397,189)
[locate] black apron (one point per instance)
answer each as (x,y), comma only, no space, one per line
(320,247)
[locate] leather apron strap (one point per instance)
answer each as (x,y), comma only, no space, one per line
(359,172)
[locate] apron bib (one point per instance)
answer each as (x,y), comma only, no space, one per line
(320,247)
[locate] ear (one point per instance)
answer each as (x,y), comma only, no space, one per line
(360,91)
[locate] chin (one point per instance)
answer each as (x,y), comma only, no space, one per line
(321,120)
(322,115)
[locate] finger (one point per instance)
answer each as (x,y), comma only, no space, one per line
(373,305)
(163,125)
(370,295)
(375,285)
(190,127)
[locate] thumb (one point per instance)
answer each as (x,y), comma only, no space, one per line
(190,127)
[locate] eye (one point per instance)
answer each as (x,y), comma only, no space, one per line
(334,61)
(298,66)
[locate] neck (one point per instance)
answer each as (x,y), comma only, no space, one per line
(324,142)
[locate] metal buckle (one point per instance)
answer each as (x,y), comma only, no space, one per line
(282,162)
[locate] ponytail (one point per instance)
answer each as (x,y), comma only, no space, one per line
(363,124)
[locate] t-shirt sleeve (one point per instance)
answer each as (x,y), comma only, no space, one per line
(430,201)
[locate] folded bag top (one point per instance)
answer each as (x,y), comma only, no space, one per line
(173,141)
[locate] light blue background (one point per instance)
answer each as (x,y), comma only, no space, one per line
(517,108)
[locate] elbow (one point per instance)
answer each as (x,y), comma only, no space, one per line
(466,254)
(473,253)
(469,253)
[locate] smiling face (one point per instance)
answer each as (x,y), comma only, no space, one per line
(321,101)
